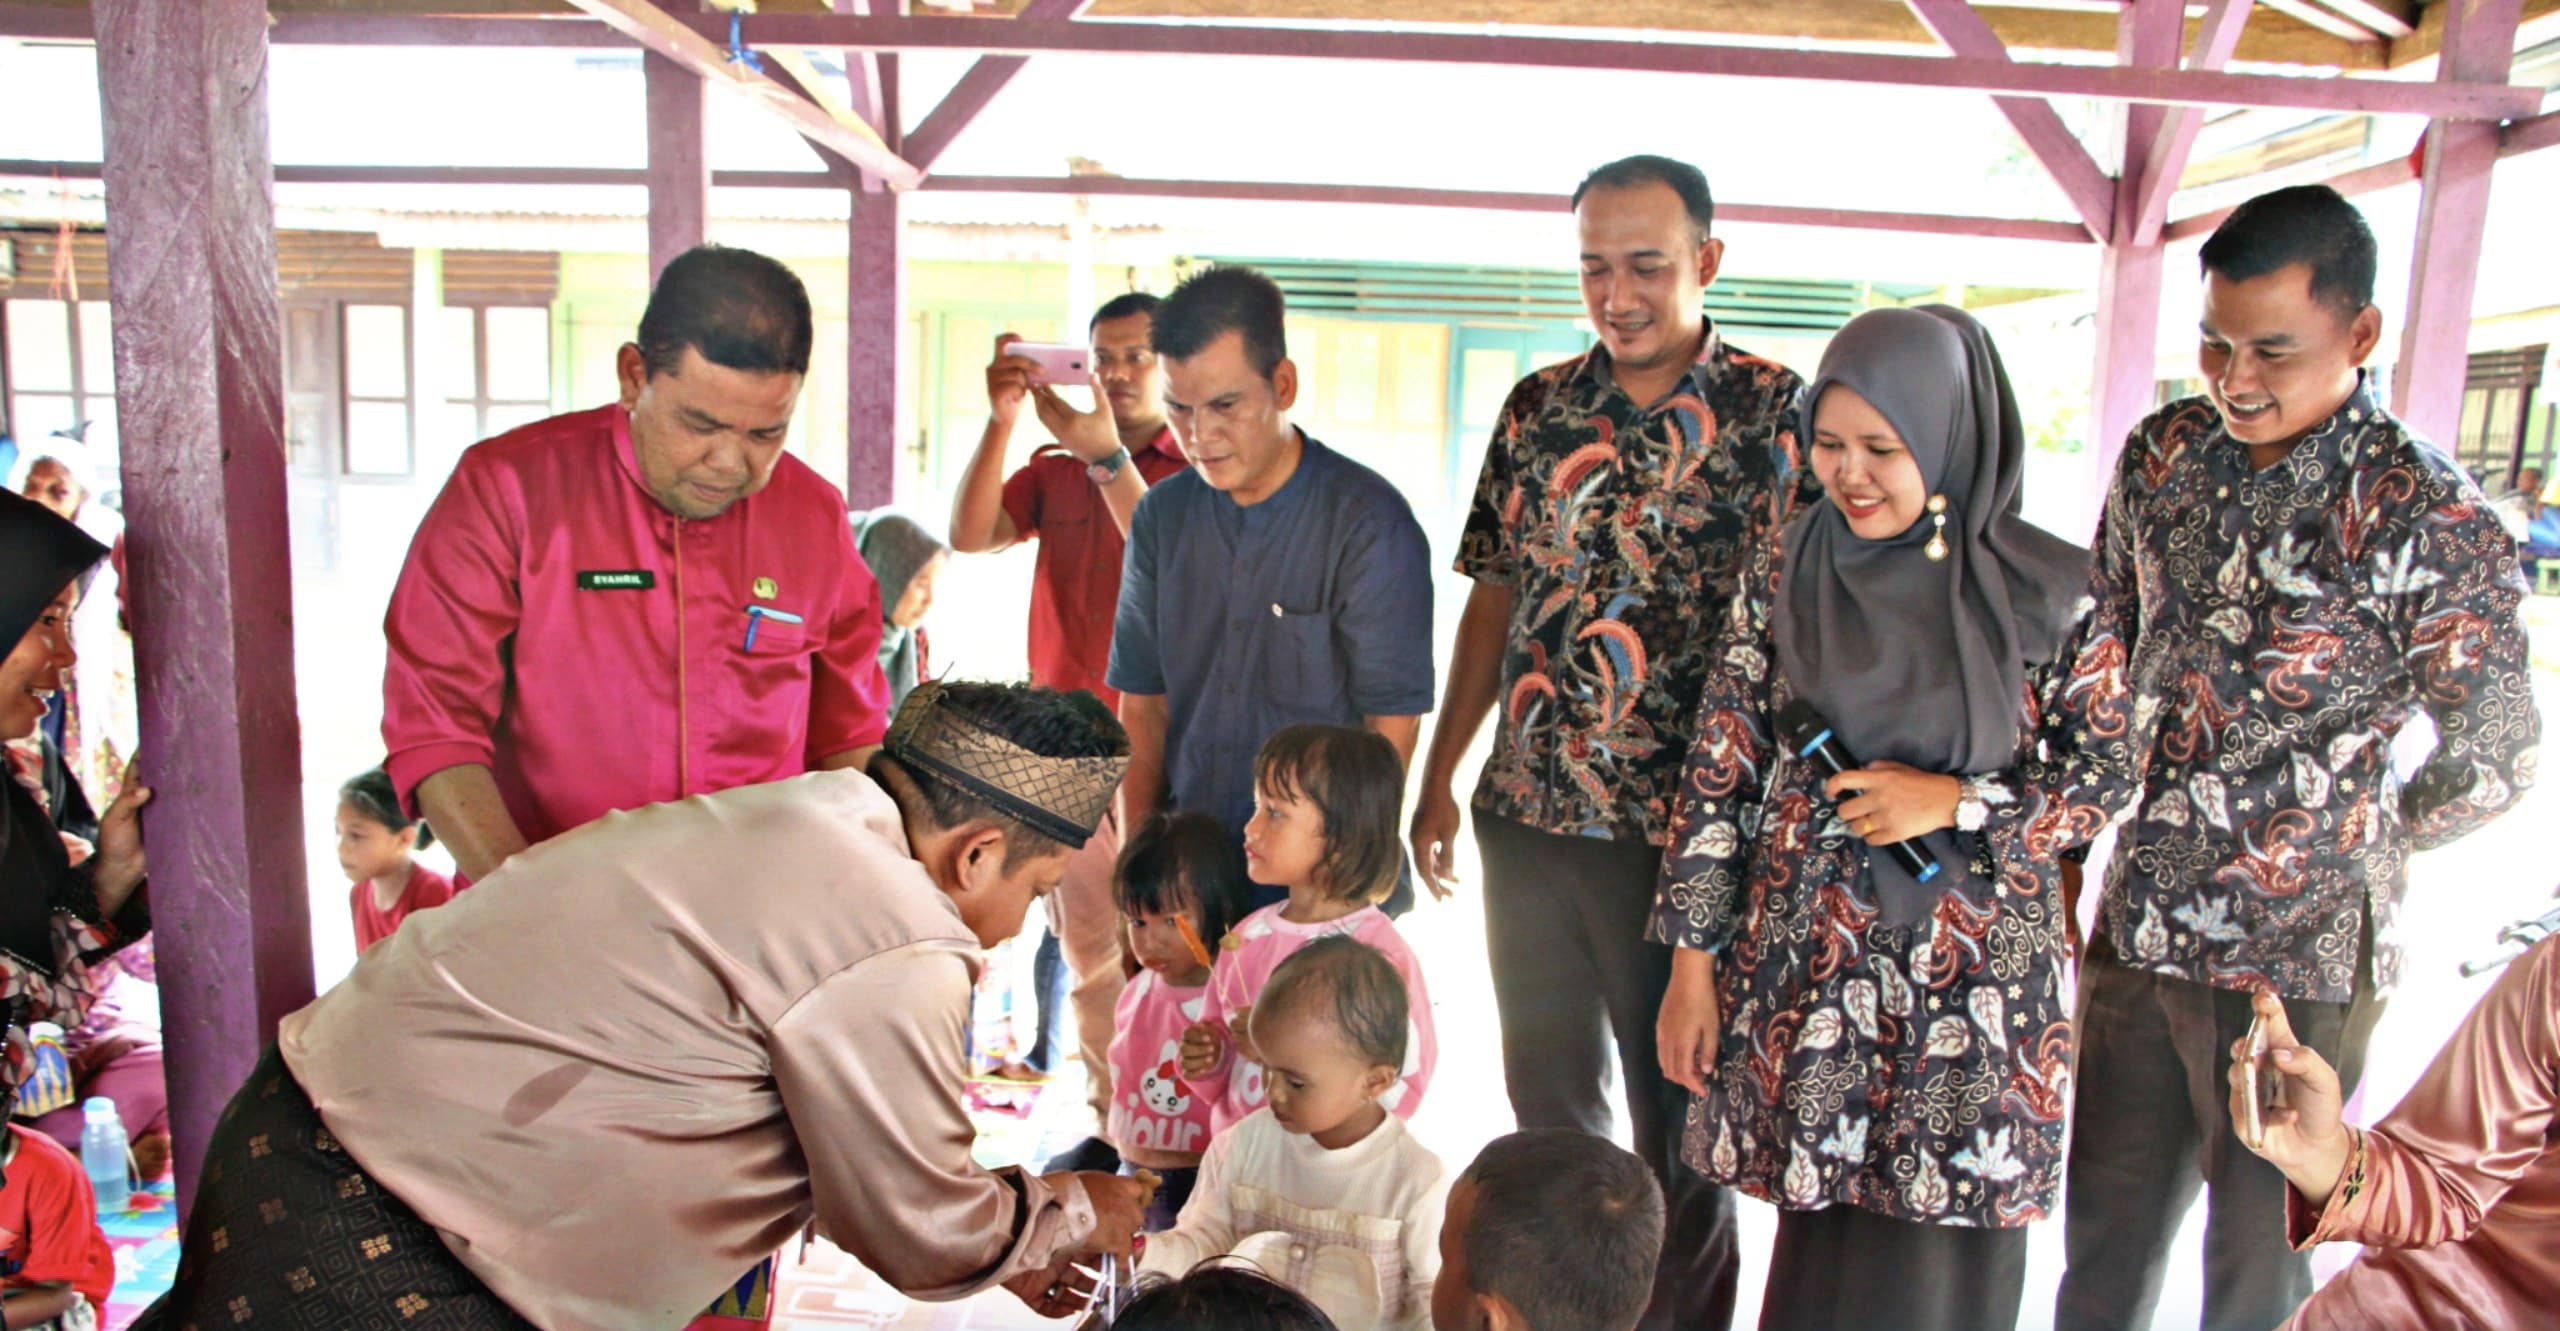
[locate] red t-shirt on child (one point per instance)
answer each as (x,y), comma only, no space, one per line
(426,889)
(49,1222)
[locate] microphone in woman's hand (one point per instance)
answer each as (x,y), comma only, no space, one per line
(1807,735)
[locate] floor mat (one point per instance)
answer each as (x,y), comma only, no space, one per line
(144,1236)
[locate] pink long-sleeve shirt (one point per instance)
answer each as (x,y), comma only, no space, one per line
(1244,964)
(557,625)
(2456,1195)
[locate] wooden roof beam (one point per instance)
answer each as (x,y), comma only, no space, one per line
(2022,25)
(2540,23)
(978,87)
(2065,158)
(2326,19)
(2167,161)
(659,31)
(2388,18)
(1026,37)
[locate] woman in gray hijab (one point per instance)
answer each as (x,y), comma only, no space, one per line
(906,560)
(1877,1046)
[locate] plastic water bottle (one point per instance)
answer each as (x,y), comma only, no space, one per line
(103,1154)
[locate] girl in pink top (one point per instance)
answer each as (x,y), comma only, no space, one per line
(1326,801)
(376,842)
(1180,880)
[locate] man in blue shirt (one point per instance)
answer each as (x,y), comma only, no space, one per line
(1275,582)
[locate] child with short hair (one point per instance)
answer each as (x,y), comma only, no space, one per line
(1223,1298)
(377,842)
(1327,801)
(1551,1229)
(1323,1188)
(1180,879)
(55,1266)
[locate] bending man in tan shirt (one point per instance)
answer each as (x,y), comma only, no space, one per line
(641,1055)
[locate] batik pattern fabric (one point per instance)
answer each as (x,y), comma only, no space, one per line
(2293,620)
(290,1232)
(1618,528)
(1917,1072)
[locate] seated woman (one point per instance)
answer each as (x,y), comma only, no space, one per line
(117,1054)
(2455,1195)
(1881,1052)
(57,919)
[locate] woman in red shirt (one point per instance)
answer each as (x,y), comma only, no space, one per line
(377,843)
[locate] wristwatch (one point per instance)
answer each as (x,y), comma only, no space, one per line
(1972,811)
(1107,470)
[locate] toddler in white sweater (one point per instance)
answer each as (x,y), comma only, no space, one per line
(1323,1189)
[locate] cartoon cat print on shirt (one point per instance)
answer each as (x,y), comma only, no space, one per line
(1163,1088)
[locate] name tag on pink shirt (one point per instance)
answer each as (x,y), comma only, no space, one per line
(616,580)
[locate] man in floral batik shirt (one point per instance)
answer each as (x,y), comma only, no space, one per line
(2298,574)
(1617,498)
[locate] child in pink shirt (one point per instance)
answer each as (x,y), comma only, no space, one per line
(1180,880)
(1326,805)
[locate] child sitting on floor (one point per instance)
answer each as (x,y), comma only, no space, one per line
(1549,1230)
(1218,1297)
(1326,807)
(377,842)
(1180,880)
(1323,1189)
(55,1266)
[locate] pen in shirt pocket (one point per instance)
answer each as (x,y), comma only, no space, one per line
(758,614)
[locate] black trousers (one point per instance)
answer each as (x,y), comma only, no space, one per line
(1574,979)
(1841,1268)
(2151,1123)
(289,1233)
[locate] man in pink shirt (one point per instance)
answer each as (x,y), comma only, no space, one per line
(2455,1195)
(1074,497)
(641,602)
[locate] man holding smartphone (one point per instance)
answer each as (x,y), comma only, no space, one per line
(1075,497)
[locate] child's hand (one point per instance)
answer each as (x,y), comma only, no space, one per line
(1201,1043)
(1240,1027)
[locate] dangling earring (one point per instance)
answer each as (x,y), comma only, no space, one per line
(1936,549)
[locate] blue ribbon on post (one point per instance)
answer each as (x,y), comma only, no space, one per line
(738,52)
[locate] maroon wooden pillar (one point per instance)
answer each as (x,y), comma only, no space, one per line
(2149,34)
(875,314)
(2453,212)
(679,161)
(191,261)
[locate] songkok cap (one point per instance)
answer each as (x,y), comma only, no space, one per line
(40,553)
(1063,799)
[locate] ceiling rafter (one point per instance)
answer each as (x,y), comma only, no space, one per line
(2093,195)
(2175,143)
(683,42)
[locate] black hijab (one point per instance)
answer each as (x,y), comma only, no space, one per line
(40,554)
(1911,659)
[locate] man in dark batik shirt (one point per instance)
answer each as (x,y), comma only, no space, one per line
(2298,573)
(1618,498)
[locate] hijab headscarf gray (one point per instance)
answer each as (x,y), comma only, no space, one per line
(1910,659)
(897,548)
